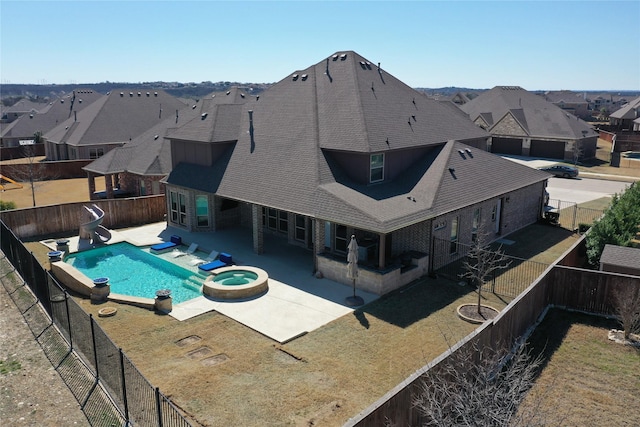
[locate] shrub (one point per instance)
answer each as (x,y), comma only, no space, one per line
(7,205)
(617,226)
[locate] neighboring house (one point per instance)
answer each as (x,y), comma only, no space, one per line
(620,259)
(571,102)
(523,123)
(20,108)
(21,131)
(626,118)
(343,148)
(606,102)
(136,168)
(110,122)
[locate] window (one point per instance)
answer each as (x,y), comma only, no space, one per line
(341,238)
(202,211)
(476,224)
(72,153)
(173,200)
(94,153)
(494,213)
(301,228)
(453,246)
(275,219)
(272,219)
(143,188)
(283,222)
(183,208)
(377,168)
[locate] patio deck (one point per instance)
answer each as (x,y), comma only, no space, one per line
(296,303)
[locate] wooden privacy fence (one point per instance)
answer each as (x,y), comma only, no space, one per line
(65,218)
(559,286)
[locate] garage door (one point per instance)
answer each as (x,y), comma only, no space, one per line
(547,149)
(506,146)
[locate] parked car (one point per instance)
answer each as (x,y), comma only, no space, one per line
(562,171)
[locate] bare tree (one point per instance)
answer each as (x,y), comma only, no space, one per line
(482,262)
(33,172)
(627,308)
(480,387)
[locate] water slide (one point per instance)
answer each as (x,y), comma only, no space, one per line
(6,178)
(92,229)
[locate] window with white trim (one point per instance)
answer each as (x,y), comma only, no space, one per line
(202,210)
(376,170)
(453,246)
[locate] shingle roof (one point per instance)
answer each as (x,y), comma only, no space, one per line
(285,153)
(565,96)
(150,152)
(628,111)
(539,117)
(117,118)
(51,115)
(620,256)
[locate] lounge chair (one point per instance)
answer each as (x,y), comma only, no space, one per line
(223,260)
(174,242)
(190,250)
(211,257)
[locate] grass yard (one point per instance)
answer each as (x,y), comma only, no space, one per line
(50,192)
(223,373)
(587,379)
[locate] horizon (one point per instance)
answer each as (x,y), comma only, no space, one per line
(537,45)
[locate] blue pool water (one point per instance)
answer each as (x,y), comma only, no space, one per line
(132,271)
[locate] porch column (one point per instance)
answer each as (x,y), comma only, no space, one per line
(91,178)
(382,251)
(258,232)
(318,241)
(108,183)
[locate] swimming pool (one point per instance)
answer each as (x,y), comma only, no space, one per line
(132,271)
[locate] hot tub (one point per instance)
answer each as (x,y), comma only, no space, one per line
(236,282)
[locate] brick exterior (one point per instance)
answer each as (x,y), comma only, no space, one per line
(508,126)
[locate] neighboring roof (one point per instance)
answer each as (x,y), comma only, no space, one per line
(536,116)
(117,118)
(620,256)
(565,96)
(25,106)
(629,111)
(284,154)
(150,152)
(50,115)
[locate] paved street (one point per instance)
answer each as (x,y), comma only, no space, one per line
(583,189)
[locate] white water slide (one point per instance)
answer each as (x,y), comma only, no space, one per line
(92,228)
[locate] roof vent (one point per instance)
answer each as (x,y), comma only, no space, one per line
(304,77)
(62,101)
(363,65)
(335,57)
(130,93)
(257,97)
(343,57)
(368,64)
(194,107)
(468,152)
(242,95)
(147,93)
(294,77)
(31,116)
(155,137)
(228,92)
(121,93)
(80,100)
(139,94)
(204,115)
(155,93)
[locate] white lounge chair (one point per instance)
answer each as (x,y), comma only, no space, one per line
(212,256)
(190,250)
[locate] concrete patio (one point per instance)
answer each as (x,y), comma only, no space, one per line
(296,303)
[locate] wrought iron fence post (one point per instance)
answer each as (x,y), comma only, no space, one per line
(95,347)
(575,213)
(66,305)
(158,407)
(124,386)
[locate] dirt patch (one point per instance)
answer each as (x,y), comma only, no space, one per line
(186,341)
(214,360)
(31,391)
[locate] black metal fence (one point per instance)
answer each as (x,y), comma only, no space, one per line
(506,282)
(110,389)
(574,217)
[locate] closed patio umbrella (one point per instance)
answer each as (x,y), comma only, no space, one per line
(352,271)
